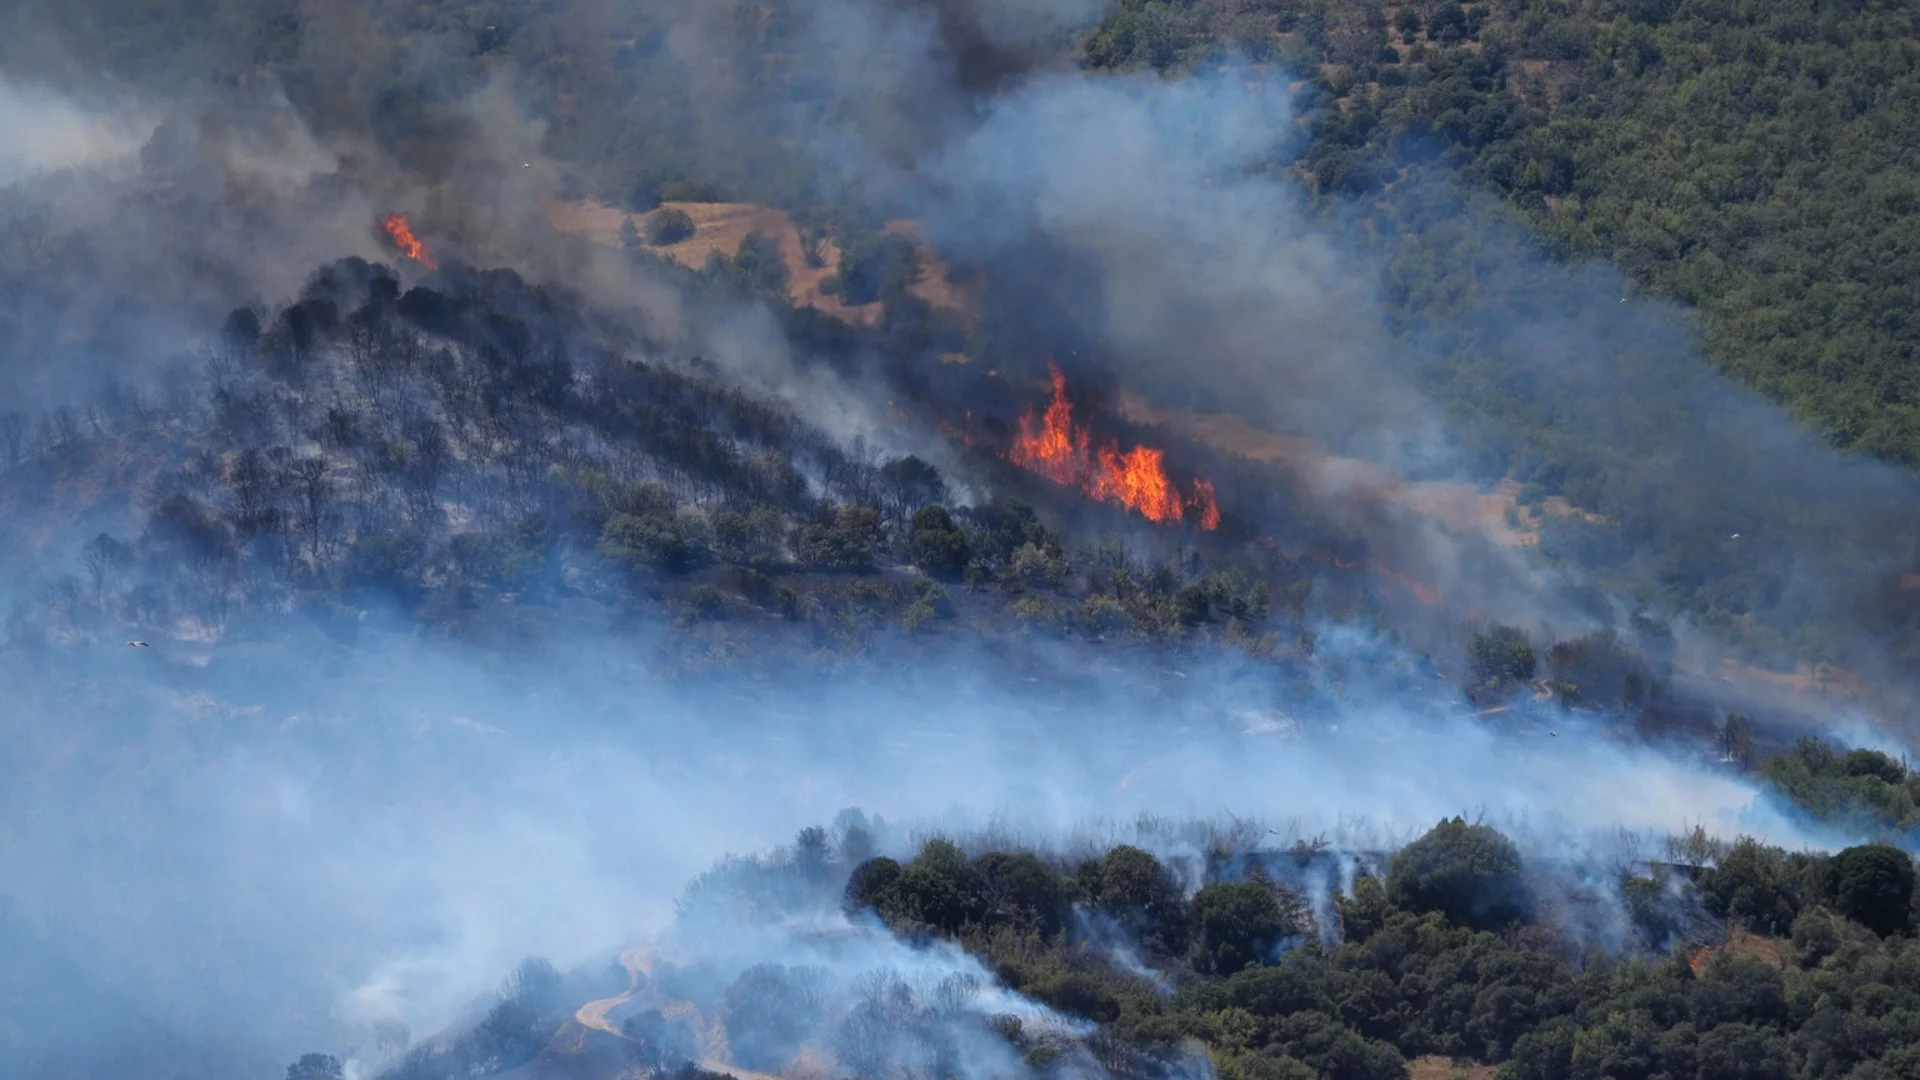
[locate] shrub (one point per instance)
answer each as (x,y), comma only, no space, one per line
(936,544)
(669,225)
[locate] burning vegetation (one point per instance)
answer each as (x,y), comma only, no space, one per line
(1053,446)
(396,229)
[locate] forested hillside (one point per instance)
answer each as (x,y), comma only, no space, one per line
(1453,955)
(465,467)
(1746,160)
(1755,160)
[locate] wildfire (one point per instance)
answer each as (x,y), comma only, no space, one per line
(398,231)
(1053,447)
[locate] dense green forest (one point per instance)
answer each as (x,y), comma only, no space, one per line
(1755,160)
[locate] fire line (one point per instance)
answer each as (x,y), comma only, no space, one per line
(1058,449)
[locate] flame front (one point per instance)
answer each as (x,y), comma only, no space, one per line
(1054,447)
(401,234)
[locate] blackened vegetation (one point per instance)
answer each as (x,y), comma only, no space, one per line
(529,1009)
(482,449)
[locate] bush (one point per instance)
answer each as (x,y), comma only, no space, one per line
(1469,873)
(770,1009)
(656,540)
(936,544)
(845,539)
(669,225)
(1501,657)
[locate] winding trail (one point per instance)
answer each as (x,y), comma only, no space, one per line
(637,962)
(594,1013)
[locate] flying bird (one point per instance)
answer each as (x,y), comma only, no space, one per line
(137,644)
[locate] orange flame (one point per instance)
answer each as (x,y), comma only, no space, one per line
(401,234)
(1206,509)
(1058,450)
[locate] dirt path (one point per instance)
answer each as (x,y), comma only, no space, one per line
(638,964)
(594,1013)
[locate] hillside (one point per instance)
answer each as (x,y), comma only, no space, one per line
(1455,957)
(811,262)
(957,539)
(1753,160)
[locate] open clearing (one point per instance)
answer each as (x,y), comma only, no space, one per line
(718,229)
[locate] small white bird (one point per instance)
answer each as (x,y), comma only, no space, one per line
(1735,536)
(137,644)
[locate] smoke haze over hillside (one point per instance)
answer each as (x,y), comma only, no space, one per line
(284,840)
(272,838)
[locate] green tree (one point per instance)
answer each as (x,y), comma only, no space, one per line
(938,889)
(1236,924)
(846,537)
(1469,873)
(936,544)
(871,886)
(1873,885)
(1754,884)
(1023,891)
(1139,892)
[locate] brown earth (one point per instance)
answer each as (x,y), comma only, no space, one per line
(1437,1067)
(1459,506)
(718,228)
(594,1017)
(1775,951)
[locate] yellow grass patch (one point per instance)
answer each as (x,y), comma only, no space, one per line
(718,228)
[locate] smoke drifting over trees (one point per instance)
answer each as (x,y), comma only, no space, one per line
(388,603)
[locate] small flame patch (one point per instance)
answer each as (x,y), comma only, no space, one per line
(397,230)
